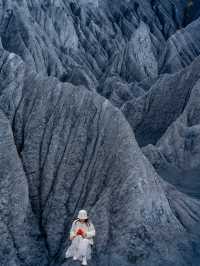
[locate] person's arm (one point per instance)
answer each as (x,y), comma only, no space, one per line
(72,231)
(91,233)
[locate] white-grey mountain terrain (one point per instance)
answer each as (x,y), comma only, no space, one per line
(100,109)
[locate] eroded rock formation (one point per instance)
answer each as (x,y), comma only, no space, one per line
(64,147)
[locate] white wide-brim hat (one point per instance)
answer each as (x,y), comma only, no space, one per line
(82,214)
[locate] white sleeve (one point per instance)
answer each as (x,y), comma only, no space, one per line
(91,232)
(72,230)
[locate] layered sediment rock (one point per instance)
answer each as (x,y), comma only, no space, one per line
(64,147)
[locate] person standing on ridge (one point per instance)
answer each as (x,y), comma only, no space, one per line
(81,234)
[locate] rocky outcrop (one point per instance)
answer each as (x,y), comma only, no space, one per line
(151,114)
(88,43)
(64,147)
(72,149)
(184,208)
(22,243)
(181,49)
(61,38)
(178,148)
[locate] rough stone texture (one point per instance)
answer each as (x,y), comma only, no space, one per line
(63,38)
(151,114)
(181,49)
(178,148)
(77,150)
(184,208)
(64,147)
(22,242)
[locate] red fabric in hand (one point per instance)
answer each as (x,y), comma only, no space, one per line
(80,231)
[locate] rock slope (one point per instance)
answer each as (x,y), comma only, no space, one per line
(68,149)
(81,84)
(178,148)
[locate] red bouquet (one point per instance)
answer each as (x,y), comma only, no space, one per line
(80,231)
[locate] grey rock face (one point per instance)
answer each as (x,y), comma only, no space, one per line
(22,242)
(88,43)
(179,146)
(77,150)
(185,208)
(181,49)
(151,114)
(60,37)
(141,48)
(64,147)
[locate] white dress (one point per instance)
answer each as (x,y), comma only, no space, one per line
(81,246)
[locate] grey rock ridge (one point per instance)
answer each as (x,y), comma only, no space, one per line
(151,114)
(178,149)
(68,146)
(99,109)
(64,148)
(181,49)
(83,43)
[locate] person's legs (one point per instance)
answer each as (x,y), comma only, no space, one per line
(73,248)
(83,250)
(83,246)
(76,242)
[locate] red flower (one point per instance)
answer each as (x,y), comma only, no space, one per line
(80,231)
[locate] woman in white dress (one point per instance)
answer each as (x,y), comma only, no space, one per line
(81,235)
